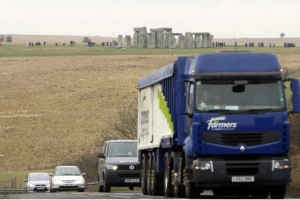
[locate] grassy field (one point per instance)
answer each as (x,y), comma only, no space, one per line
(56,101)
(8,50)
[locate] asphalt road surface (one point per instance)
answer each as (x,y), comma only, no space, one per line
(90,195)
(95,195)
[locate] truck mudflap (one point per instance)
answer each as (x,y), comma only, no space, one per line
(214,173)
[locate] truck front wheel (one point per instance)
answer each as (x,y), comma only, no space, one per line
(277,192)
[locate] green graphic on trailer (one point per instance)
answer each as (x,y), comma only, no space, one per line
(165,110)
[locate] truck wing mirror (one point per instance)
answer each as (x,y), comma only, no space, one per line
(296,95)
(100,155)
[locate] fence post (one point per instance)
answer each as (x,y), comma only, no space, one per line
(13,183)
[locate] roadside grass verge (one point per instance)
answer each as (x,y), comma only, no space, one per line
(20,176)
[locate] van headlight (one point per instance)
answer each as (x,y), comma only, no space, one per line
(280,164)
(113,167)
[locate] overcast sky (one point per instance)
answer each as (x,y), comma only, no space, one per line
(222,18)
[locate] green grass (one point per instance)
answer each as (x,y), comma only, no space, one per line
(13,50)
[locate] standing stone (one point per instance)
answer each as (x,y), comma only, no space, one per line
(198,40)
(127,41)
(120,41)
(135,39)
(181,42)
(210,40)
(171,41)
(151,40)
(140,37)
(189,40)
(205,40)
(160,39)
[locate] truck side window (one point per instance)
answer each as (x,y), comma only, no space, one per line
(190,98)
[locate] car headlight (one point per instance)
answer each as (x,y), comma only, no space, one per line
(80,181)
(30,185)
(56,181)
(113,167)
(280,164)
(204,166)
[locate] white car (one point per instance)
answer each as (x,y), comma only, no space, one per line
(67,178)
(37,182)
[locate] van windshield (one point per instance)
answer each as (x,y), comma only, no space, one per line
(122,149)
(240,96)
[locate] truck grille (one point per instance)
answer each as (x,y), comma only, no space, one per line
(234,169)
(234,139)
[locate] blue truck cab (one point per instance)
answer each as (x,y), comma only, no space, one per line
(216,121)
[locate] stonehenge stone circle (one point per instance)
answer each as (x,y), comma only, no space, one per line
(165,38)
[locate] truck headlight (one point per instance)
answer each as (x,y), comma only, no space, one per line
(204,166)
(113,167)
(280,164)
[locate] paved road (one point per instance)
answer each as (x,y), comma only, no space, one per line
(90,195)
(96,195)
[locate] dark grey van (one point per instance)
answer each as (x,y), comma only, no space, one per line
(118,165)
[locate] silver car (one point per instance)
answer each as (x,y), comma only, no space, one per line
(37,182)
(67,178)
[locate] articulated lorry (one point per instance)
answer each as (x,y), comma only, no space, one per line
(218,122)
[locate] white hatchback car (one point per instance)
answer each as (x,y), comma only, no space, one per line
(67,178)
(37,182)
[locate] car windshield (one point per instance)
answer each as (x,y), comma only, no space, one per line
(122,149)
(67,171)
(38,177)
(237,96)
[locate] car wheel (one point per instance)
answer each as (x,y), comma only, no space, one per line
(80,190)
(106,187)
(100,189)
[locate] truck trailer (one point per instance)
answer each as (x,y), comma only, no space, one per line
(216,122)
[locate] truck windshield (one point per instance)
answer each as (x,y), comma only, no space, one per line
(122,149)
(240,96)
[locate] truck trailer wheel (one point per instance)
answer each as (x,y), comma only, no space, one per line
(168,188)
(156,180)
(149,174)
(144,175)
